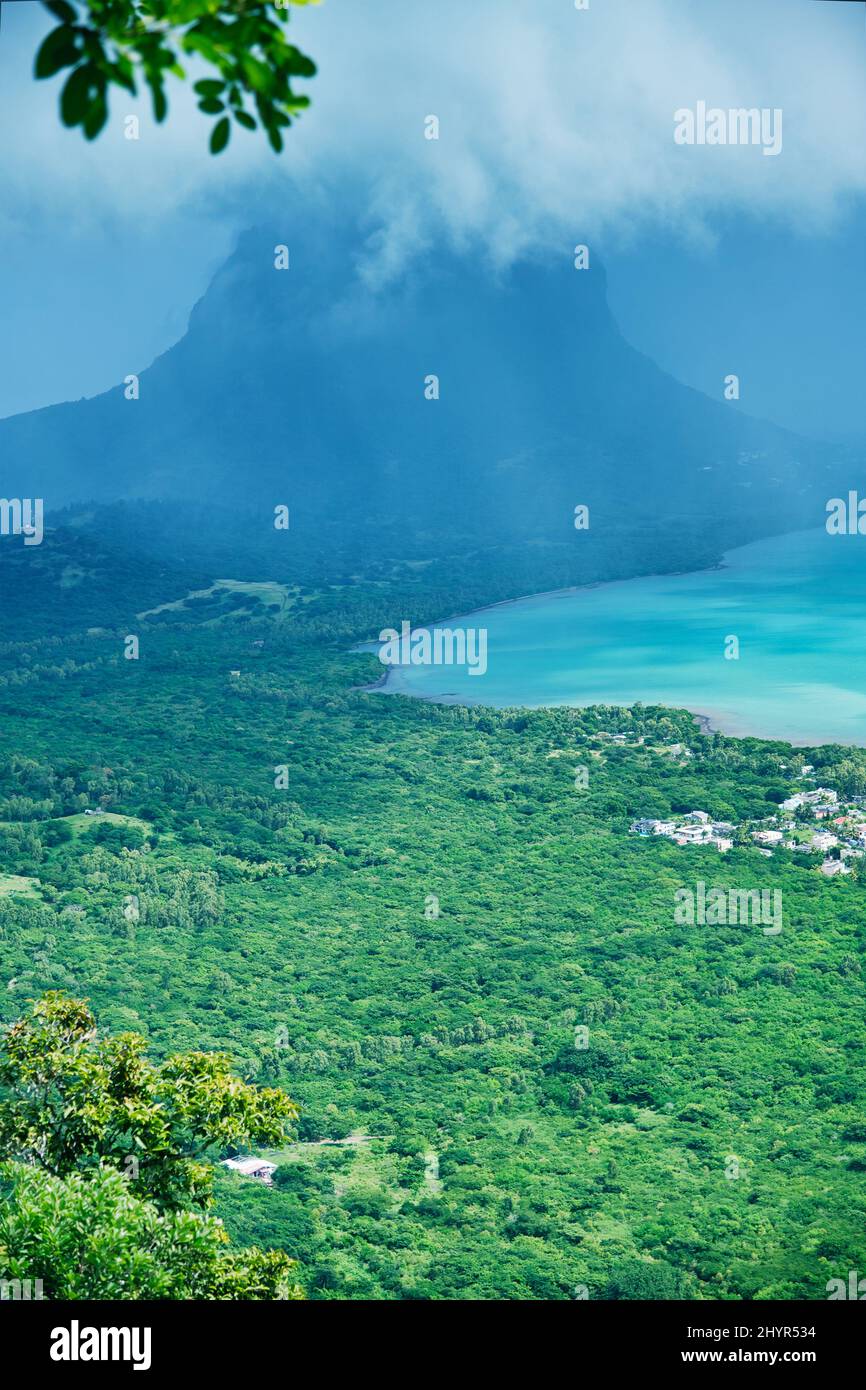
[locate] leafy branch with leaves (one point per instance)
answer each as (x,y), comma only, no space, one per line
(71,1101)
(102,44)
(100,1163)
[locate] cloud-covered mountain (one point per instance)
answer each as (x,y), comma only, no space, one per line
(309,387)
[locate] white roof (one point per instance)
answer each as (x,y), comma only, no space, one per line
(249,1166)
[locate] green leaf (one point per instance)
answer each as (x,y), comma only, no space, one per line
(96,117)
(76,95)
(193,42)
(211,106)
(208,87)
(160,104)
(123,73)
(62,10)
(297,63)
(219,137)
(245,119)
(57,51)
(259,75)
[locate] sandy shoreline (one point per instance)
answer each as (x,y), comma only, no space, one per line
(389,684)
(714,723)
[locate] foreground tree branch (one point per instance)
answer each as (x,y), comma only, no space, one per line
(101,44)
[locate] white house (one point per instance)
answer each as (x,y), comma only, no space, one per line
(834,866)
(824,840)
(645,826)
(252,1168)
(767,837)
(693,834)
(679,750)
(820,797)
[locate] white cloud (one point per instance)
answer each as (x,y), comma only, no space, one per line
(554,121)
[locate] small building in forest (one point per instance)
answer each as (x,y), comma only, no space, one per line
(252,1167)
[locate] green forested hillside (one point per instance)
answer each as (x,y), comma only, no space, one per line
(409,937)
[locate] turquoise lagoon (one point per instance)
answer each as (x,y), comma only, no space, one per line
(796,604)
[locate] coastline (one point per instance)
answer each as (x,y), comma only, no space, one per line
(707,724)
(704,724)
(708,718)
(371,644)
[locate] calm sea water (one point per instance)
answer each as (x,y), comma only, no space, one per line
(796,603)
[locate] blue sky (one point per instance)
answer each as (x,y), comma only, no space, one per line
(556,127)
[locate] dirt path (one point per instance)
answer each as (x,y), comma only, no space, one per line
(432,1180)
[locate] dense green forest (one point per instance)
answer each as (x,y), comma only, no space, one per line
(415,920)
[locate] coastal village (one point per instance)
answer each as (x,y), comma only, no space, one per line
(809,822)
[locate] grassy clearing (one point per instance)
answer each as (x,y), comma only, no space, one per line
(275,600)
(81,822)
(18,883)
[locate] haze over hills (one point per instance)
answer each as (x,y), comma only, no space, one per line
(306,387)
